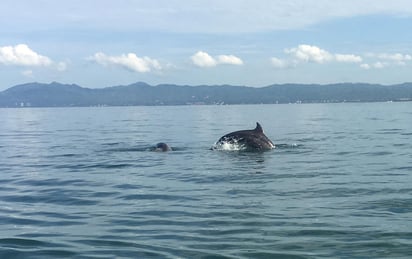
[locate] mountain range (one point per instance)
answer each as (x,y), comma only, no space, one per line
(66,95)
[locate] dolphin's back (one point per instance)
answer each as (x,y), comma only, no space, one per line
(250,139)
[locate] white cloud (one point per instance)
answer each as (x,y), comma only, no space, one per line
(229,59)
(203,59)
(382,60)
(279,63)
(395,57)
(365,66)
(308,53)
(128,61)
(22,55)
(348,58)
(379,64)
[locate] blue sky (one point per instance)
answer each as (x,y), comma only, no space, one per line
(254,43)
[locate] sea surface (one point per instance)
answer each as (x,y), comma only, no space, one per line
(85,182)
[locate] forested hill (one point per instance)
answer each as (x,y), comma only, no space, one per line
(63,95)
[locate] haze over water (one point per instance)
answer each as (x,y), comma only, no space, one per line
(83,183)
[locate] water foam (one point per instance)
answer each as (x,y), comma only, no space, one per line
(229,146)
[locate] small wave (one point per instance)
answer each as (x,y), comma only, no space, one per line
(142,148)
(129,149)
(288,146)
(225,146)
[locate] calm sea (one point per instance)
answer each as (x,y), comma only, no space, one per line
(83,183)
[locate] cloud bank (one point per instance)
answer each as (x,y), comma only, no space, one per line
(308,53)
(128,61)
(203,59)
(313,54)
(204,16)
(383,60)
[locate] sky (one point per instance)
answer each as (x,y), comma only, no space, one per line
(255,43)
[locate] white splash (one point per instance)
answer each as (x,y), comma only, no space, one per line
(229,146)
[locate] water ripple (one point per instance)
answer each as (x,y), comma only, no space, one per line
(337,185)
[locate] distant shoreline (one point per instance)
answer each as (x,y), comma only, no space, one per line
(141,94)
(171,105)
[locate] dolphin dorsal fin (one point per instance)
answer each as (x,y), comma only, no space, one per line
(258,128)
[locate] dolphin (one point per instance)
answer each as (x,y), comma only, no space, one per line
(162,147)
(249,140)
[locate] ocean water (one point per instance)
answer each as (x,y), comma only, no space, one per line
(84,183)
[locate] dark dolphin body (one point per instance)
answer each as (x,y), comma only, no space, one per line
(162,147)
(250,140)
